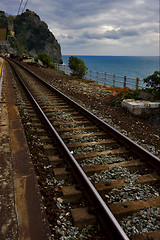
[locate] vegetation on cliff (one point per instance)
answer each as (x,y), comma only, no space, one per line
(45,59)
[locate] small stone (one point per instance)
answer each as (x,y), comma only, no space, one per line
(59,223)
(60,200)
(58,205)
(107,196)
(57,229)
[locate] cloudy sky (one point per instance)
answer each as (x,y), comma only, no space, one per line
(98,27)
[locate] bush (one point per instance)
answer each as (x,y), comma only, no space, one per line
(77,67)
(153,81)
(45,59)
(116,94)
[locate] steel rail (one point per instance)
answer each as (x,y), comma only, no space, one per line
(109,223)
(136,148)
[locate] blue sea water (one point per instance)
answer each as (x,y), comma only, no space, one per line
(130,66)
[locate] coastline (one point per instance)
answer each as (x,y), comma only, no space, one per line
(130,66)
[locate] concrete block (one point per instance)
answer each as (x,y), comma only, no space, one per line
(140,107)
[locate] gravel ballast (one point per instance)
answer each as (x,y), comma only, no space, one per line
(143,131)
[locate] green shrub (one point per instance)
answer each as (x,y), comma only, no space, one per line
(132,94)
(77,67)
(153,82)
(45,59)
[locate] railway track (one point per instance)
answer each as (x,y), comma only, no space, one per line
(104,176)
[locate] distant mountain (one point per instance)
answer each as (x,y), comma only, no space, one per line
(28,34)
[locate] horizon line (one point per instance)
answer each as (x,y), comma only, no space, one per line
(111,55)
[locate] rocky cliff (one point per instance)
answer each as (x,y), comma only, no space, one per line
(28,34)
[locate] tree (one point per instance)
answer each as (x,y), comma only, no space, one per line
(153,81)
(77,66)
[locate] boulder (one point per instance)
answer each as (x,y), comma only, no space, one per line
(141,108)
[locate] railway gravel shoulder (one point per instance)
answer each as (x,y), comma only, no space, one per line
(22,212)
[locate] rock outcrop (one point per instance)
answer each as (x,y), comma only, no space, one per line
(5,47)
(28,34)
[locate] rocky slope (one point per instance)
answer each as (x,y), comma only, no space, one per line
(28,34)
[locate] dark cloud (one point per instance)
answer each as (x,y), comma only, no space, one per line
(117,34)
(97,23)
(113,34)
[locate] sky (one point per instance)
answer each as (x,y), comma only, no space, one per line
(98,27)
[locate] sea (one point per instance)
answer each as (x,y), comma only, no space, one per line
(129,66)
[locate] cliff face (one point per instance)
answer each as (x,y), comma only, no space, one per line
(30,35)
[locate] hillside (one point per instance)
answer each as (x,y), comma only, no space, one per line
(28,34)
